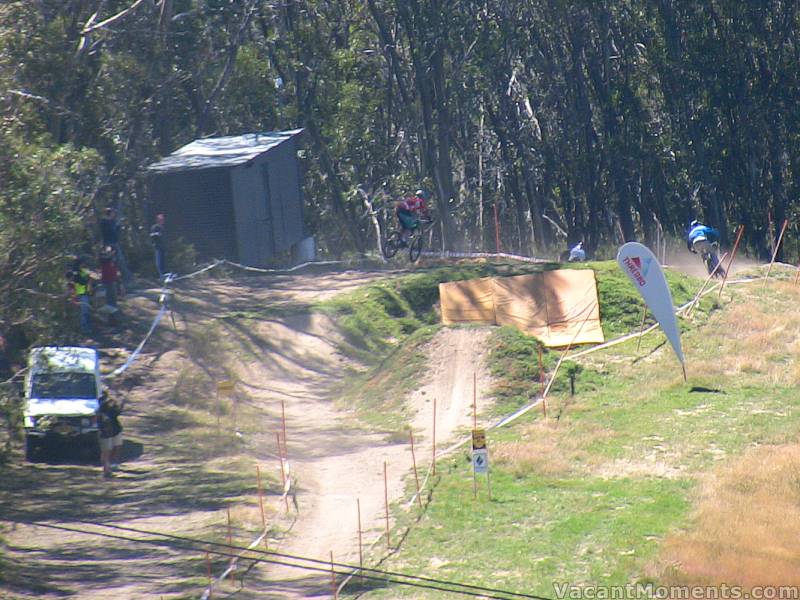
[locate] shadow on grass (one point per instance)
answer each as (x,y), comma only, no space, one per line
(55,571)
(98,566)
(61,491)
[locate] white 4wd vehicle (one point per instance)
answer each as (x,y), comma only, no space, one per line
(61,396)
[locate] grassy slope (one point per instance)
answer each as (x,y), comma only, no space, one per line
(514,360)
(386,324)
(590,496)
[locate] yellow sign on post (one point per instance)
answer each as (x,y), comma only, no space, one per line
(480,460)
(225,386)
(480,457)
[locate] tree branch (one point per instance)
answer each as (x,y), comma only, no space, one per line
(91,26)
(228,68)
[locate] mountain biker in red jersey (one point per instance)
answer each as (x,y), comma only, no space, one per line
(409,210)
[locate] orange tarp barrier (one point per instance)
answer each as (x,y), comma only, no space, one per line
(557,307)
(467,301)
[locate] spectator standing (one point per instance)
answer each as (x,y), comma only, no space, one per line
(79,282)
(109,232)
(109,275)
(157,237)
(110,433)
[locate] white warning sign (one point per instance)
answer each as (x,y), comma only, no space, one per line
(480,460)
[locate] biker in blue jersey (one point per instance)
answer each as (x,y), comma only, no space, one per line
(704,240)
(700,236)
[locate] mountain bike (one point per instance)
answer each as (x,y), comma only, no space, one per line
(710,255)
(394,241)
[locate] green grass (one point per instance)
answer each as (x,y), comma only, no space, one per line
(537,530)
(514,361)
(590,497)
(377,318)
(621,304)
(386,324)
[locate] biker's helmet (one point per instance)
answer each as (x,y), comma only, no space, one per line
(421,194)
(694,224)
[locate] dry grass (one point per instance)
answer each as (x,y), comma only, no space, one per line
(544,449)
(746,527)
(192,388)
(761,335)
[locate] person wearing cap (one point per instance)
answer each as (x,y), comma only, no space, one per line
(409,210)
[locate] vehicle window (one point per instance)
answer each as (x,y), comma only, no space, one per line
(63,385)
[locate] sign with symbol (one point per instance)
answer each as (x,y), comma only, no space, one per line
(225,386)
(480,454)
(480,460)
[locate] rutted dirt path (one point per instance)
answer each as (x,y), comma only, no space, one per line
(333,462)
(336,465)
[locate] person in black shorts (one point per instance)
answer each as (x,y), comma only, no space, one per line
(110,433)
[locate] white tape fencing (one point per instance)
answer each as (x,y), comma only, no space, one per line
(453,254)
(171,278)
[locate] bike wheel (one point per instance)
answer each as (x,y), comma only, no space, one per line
(415,249)
(391,245)
(707,261)
(712,264)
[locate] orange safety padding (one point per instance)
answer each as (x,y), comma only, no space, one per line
(467,301)
(558,307)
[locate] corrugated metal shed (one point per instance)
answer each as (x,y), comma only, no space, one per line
(237,197)
(221,152)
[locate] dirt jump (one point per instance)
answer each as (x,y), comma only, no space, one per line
(179,478)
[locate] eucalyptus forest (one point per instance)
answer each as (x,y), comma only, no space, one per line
(532,123)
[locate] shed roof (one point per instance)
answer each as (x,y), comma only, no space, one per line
(222,151)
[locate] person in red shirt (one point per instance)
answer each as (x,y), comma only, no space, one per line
(109,275)
(409,210)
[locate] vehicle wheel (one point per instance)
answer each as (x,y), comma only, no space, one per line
(416,248)
(31,446)
(391,244)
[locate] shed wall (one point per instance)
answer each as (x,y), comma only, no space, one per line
(286,196)
(252,209)
(198,208)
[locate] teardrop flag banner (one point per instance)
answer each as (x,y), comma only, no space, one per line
(642,267)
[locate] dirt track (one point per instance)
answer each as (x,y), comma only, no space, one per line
(333,461)
(337,465)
